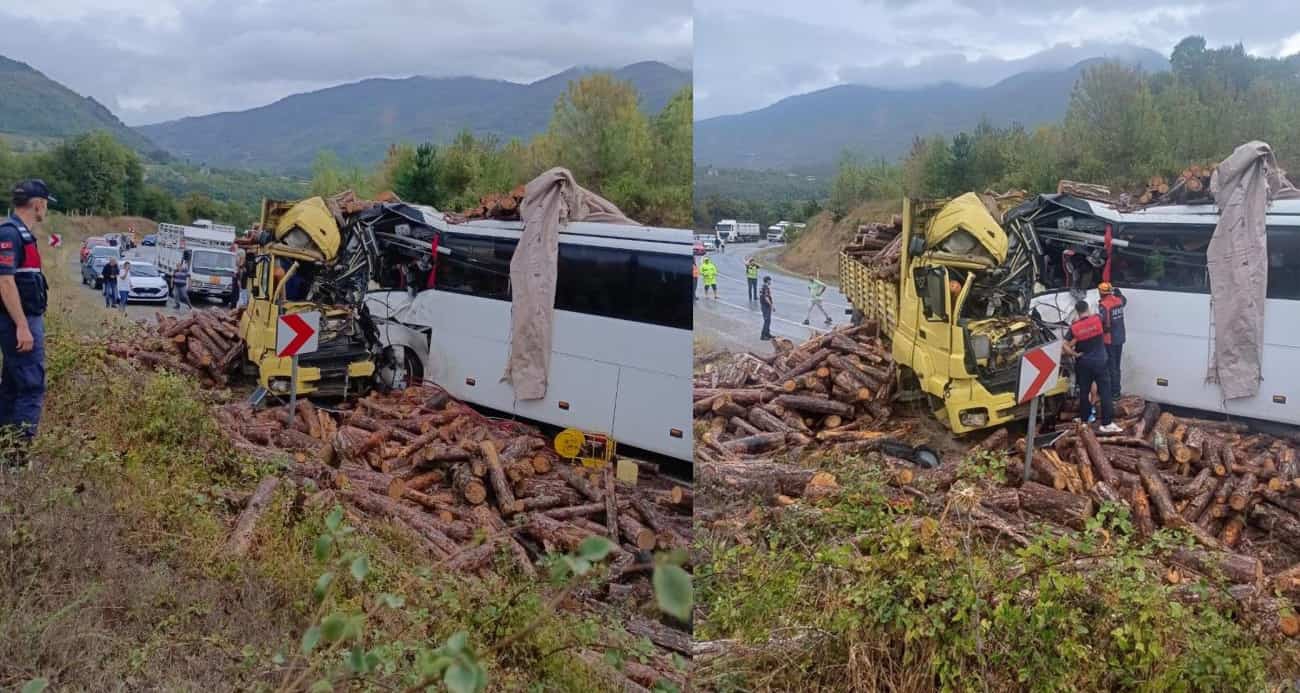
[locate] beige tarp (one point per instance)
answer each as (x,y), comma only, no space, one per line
(550,201)
(1243,186)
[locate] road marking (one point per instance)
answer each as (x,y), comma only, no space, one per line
(786,292)
(774,317)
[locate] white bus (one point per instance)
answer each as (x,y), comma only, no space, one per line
(621,360)
(1158,261)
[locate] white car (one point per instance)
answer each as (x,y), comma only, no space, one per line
(144,283)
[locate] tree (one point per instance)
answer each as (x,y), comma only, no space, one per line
(598,132)
(415,176)
(1113,126)
(155,203)
(326,174)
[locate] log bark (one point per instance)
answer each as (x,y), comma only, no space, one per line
(611,504)
(755,444)
(1159,494)
(1242,492)
(505,496)
(1234,567)
(1141,506)
(241,539)
(1061,507)
(816,405)
(1277,522)
(469,486)
(1100,463)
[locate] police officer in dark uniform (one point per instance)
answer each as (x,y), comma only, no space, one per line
(1085,343)
(22,324)
(1111,310)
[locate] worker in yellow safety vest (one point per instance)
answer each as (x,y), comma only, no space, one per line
(709,272)
(751,274)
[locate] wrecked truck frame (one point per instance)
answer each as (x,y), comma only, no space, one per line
(959,315)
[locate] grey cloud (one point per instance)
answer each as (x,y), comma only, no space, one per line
(228,56)
(743,49)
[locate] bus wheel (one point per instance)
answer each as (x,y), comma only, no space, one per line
(399,369)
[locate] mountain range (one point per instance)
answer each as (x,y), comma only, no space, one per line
(813,129)
(33,105)
(358,121)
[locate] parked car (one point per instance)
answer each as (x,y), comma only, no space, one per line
(89,243)
(93,267)
(149,241)
(144,283)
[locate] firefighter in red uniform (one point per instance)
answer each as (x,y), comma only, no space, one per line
(1085,343)
(1111,310)
(22,324)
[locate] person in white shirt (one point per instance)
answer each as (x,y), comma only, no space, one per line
(124,285)
(815,290)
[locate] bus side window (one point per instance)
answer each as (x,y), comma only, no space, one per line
(476,266)
(1283,264)
(637,285)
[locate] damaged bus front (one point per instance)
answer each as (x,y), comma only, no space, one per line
(307,260)
(960,309)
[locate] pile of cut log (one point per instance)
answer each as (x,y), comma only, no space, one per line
(878,246)
(503,206)
(204,344)
(1190,186)
(832,390)
(452,476)
(1234,491)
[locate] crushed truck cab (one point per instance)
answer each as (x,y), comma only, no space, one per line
(304,263)
(958,314)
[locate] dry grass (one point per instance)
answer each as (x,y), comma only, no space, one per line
(818,247)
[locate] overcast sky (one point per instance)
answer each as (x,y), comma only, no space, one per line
(751,53)
(153,60)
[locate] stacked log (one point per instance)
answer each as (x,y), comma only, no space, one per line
(879,247)
(502,206)
(833,391)
(204,344)
(458,481)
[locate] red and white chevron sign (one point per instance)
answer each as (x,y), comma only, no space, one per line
(297,334)
(55,240)
(1039,370)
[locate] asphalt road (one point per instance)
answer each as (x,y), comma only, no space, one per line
(732,321)
(137,310)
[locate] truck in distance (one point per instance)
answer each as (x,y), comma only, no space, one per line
(732,231)
(210,249)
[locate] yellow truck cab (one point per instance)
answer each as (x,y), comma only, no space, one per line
(958,314)
(297,241)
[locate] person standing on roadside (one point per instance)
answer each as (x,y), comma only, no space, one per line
(709,273)
(181,283)
(751,276)
(765,303)
(108,282)
(124,284)
(1085,343)
(22,326)
(695,280)
(1111,309)
(815,291)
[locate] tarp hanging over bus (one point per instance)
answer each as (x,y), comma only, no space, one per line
(551,200)
(1243,185)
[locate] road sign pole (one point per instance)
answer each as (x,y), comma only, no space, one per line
(293,384)
(1033,433)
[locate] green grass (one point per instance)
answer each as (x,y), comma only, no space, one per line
(914,605)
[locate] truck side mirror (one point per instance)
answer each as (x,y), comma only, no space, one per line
(915,245)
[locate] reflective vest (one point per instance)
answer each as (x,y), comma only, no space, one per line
(1111,310)
(751,271)
(33,291)
(695,271)
(710,272)
(1087,333)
